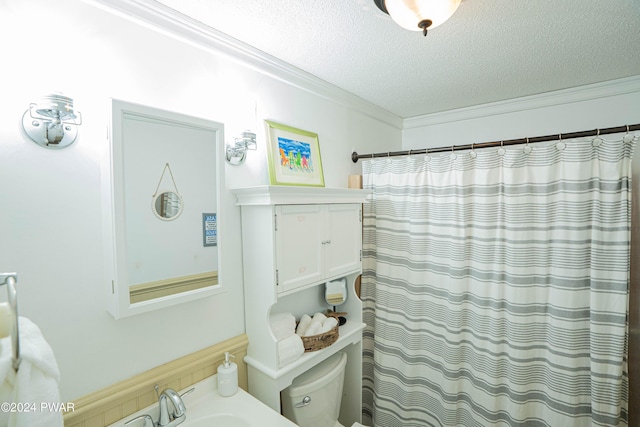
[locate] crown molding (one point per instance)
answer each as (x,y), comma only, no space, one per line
(549,99)
(159,17)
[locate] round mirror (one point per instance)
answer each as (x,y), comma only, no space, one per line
(167,205)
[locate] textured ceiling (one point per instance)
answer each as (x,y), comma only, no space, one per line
(490,50)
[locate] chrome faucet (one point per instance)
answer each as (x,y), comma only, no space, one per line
(166,418)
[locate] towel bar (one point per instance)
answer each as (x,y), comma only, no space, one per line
(10,280)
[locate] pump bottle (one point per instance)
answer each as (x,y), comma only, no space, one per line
(227,377)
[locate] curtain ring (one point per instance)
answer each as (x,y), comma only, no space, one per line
(472,154)
(527,148)
(560,145)
(597,140)
(501,150)
(628,137)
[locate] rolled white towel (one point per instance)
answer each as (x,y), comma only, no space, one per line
(289,349)
(329,324)
(315,328)
(319,317)
(282,325)
(305,320)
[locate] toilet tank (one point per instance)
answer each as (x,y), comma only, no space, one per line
(313,398)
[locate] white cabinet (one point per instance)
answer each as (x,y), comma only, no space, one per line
(295,239)
(316,243)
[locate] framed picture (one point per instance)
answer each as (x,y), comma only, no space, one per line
(293,156)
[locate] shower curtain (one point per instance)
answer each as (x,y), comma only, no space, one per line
(495,286)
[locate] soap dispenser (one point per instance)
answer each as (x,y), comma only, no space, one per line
(227,376)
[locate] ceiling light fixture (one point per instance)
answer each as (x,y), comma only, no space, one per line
(417,15)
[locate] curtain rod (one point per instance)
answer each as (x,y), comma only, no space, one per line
(627,128)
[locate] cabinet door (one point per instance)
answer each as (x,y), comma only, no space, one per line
(299,237)
(344,239)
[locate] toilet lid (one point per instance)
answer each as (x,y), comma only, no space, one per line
(321,370)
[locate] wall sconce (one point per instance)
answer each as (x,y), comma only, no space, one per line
(52,122)
(237,153)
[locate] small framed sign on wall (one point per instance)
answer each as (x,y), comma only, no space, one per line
(293,156)
(209,229)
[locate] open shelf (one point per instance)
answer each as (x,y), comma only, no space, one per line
(350,333)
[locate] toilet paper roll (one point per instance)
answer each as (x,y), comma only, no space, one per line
(6,320)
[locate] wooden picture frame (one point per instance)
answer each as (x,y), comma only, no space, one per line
(293,156)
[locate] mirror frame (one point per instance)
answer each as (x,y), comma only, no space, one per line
(118,294)
(154,206)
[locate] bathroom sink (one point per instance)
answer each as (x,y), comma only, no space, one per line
(206,408)
(216,420)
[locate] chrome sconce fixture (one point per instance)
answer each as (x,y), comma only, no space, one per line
(52,122)
(237,153)
(418,15)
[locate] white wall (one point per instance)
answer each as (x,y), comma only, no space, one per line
(51,212)
(602,105)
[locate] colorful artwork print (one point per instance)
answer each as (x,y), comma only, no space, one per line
(295,155)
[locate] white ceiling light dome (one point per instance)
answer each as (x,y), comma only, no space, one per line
(418,15)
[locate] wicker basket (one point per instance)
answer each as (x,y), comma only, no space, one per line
(320,341)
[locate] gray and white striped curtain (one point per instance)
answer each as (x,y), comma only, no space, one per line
(495,286)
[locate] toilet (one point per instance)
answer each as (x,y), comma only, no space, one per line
(313,398)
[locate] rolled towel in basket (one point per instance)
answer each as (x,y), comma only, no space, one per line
(303,324)
(319,317)
(329,324)
(289,349)
(315,328)
(282,325)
